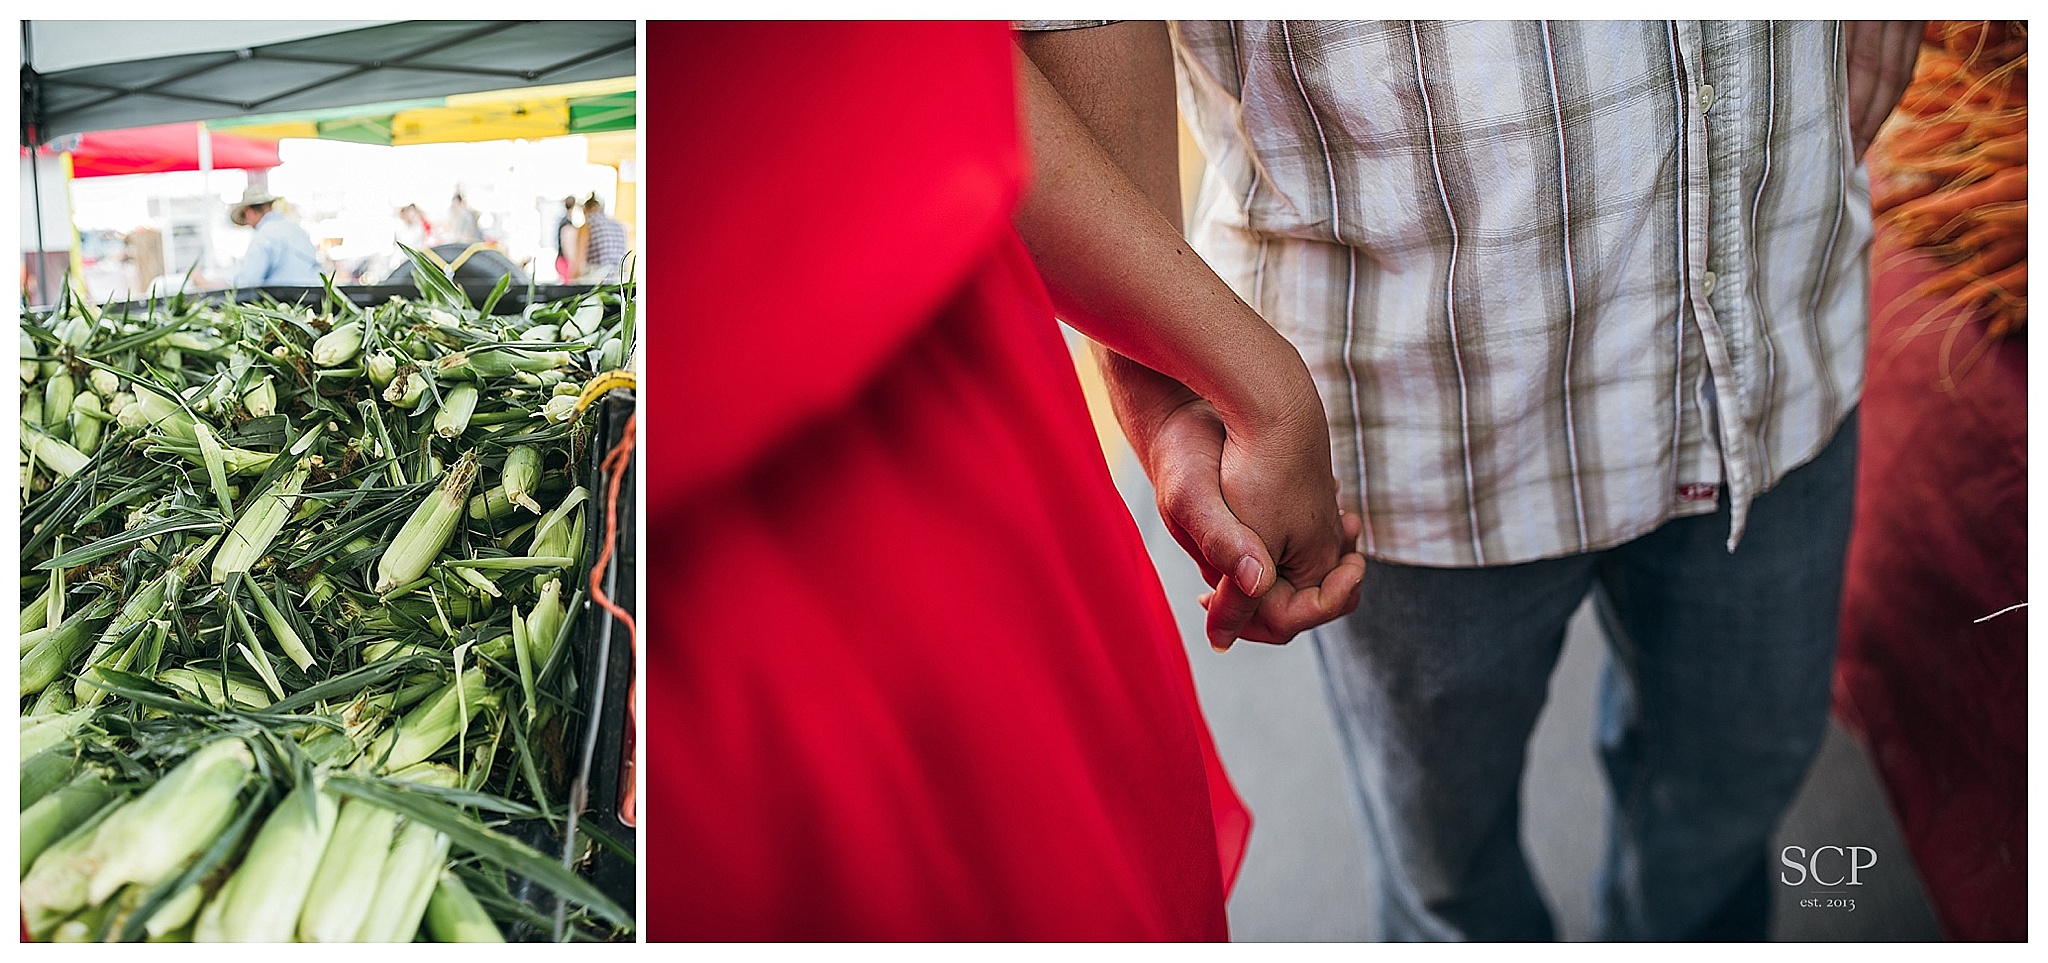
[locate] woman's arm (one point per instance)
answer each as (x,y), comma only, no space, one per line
(1219,407)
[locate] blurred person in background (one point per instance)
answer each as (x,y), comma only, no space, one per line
(280,253)
(567,242)
(604,250)
(413,229)
(460,225)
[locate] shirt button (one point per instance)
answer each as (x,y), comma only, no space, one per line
(1706,97)
(1707,283)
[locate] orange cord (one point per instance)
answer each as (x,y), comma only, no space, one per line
(614,466)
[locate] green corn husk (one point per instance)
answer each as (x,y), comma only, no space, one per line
(36,614)
(406,884)
(49,732)
(497,363)
(32,637)
(381,367)
(206,687)
(261,902)
(147,602)
(104,382)
(55,885)
(32,408)
(57,394)
(56,814)
(560,531)
(261,401)
(346,883)
(153,835)
(281,628)
(521,475)
(407,390)
(428,529)
(45,771)
(262,519)
(490,505)
(544,623)
(156,408)
(86,417)
(48,660)
(338,346)
(456,407)
(176,914)
(139,655)
(53,452)
(432,725)
(53,700)
(454,916)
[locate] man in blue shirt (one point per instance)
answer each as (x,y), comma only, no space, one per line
(280,253)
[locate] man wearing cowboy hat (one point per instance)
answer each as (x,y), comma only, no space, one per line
(280,253)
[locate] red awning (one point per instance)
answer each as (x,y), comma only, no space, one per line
(151,150)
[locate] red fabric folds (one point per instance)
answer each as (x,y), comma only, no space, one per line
(910,673)
(1940,542)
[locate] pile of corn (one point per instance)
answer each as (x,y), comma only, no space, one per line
(298,585)
(1949,172)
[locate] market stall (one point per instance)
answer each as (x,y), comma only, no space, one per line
(327,607)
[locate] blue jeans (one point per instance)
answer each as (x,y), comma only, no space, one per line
(1713,703)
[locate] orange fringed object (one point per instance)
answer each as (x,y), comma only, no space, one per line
(1948,172)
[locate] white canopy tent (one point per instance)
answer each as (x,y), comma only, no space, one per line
(89,75)
(109,74)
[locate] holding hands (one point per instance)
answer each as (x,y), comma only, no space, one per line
(1259,514)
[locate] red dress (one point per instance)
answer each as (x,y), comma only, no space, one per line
(911,673)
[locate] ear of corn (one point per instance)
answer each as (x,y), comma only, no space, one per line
(56,814)
(36,614)
(156,408)
(261,400)
(338,346)
(406,877)
(261,902)
(281,628)
(151,836)
(48,660)
(454,916)
(406,390)
(428,529)
(545,621)
(521,475)
(405,885)
(176,914)
(346,883)
(262,518)
(207,687)
(86,416)
(52,451)
(456,407)
(57,394)
(49,732)
(432,725)
(55,885)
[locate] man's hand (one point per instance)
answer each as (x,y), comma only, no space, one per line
(1280,562)
(1881,57)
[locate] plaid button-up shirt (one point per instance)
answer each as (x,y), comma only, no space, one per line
(1558,283)
(605,251)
